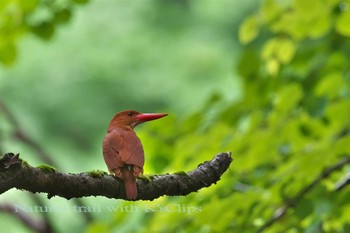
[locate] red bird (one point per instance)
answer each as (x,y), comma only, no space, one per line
(122,149)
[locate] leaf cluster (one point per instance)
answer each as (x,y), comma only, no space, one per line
(38,17)
(291,124)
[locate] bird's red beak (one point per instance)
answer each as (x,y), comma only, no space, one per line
(143,117)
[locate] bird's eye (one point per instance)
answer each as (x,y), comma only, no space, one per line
(129,113)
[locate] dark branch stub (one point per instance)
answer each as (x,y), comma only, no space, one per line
(9,160)
(16,173)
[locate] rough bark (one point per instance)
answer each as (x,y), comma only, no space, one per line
(15,173)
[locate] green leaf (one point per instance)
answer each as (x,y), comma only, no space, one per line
(249,63)
(269,48)
(8,54)
(341,146)
(338,115)
(28,5)
(316,105)
(80,1)
(270,10)
(45,30)
(285,50)
(62,16)
(249,30)
(282,49)
(320,25)
(277,51)
(304,208)
(342,23)
(330,85)
(307,8)
(313,17)
(272,67)
(288,97)
(289,24)
(97,227)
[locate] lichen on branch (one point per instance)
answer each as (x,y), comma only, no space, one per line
(16,173)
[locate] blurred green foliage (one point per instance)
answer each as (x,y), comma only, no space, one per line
(40,17)
(291,122)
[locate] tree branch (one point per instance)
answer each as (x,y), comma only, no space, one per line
(292,202)
(15,173)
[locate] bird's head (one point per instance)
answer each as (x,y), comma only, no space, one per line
(133,118)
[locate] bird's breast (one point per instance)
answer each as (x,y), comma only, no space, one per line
(122,147)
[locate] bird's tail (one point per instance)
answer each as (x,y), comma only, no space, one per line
(129,182)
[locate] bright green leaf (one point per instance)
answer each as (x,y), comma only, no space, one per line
(97,227)
(8,54)
(289,24)
(272,67)
(270,10)
(269,48)
(281,49)
(285,50)
(28,5)
(342,23)
(341,146)
(249,30)
(288,97)
(320,25)
(330,85)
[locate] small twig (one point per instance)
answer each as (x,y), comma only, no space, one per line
(37,225)
(17,174)
(20,135)
(292,202)
(341,184)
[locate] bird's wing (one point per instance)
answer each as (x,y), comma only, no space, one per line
(122,147)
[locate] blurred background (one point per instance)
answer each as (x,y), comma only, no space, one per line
(267,80)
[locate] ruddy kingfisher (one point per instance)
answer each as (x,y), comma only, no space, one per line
(122,149)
